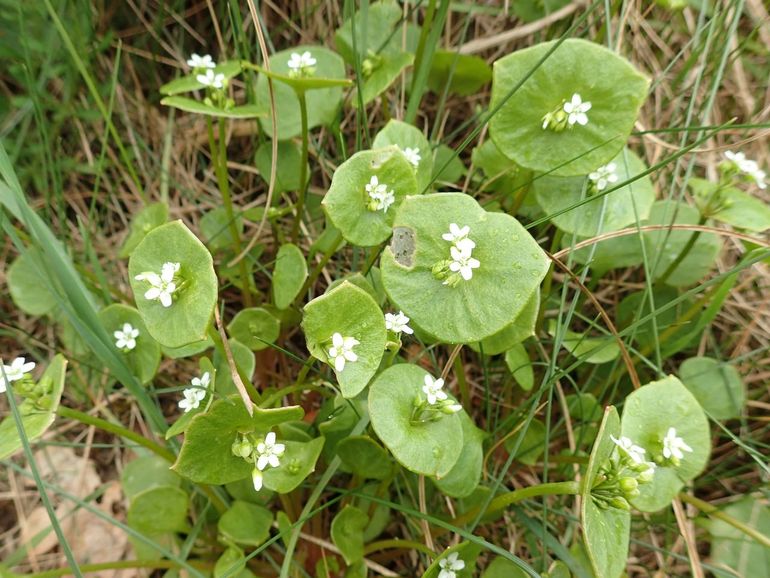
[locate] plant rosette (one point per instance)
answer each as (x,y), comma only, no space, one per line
(366,192)
(458,272)
(572,109)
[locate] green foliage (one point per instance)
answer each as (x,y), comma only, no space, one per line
(255,327)
(159,510)
(716,385)
(465,74)
(404,136)
(27,286)
(288,169)
(346,531)
(465,475)
(143,359)
(365,457)
(186,104)
(147,219)
(189,83)
(732,549)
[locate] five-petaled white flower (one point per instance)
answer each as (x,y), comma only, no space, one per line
(342,350)
(205,61)
(268,452)
(450,566)
(577,109)
(462,261)
(163,285)
(211,79)
(673,445)
(628,447)
(17,370)
(301,63)
(125,338)
(412,155)
(749,167)
(193,396)
(433,389)
(381,197)
(397,323)
(459,236)
(603,176)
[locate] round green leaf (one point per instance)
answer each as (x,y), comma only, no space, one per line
(610,83)
(610,212)
(531,446)
(430,448)
(146,472)
(518,363)
(322,104)
(617,253)
(246,524)
(255,327)
(351,312)
(502,568)
(347,201)
(716,385)
(606,530)
(28,286)
(447,166)
(374,32)
(189,316)
(464,73)
(144,221)
(365,457)
(384,69)
(521,328)
(245,362)
(215,228)
(511,268)
(648,413)
(465,475)
(181,424)
(190,82)
(288,170)
(731,548)
(347,533)
(289,275)
(404,136)
(739,209)
(297,463)
(144,359)
(159,510)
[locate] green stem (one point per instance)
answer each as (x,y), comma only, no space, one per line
(219,156)
(715,512)
(683,255)
(117,565)
(465,394)
(397,544)
(300,206)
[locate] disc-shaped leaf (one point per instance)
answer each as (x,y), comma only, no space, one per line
(502,568)
(351,312)
(430,448)
(144,221)
(184,421)
(159,510)
(374,32)
(739,209)
(465,475)
(187,104)
(464,73)
(716,385)
(511,268)
(289,275)
(297,463)
(616,253)
(347,533)
(215,229)
(147,472)
(144,358)
(245,363)
(190,82)
(610,212)
(521,328)
(348,204)
(28,285)
(322,104)
(595,350)
(206,456)
(606,530)
(289,165)
(36,415)
(648,413)
(382,71)
(405,136)
(365,457)
(543,82)
(255,327)
(246,524)
(733,549)
(189,316)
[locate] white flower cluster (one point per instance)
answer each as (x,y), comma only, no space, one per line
(341,351)
(748,167)
(673,446)
(635,453)
(397,323)
(380,198)
(267,452)
(197,62)
(450,566)
(603,176)
(125,338)
(204,66)
(163,286)
(18,370)
(412,155)
(461,252)
(301,64)
(193,396)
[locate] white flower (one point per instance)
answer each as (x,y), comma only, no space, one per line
(462,261)
(749,167)
(634,452)
(17,370)
(397,323)
(126,338)
(342,350)
(202,381)
(647,475)
(256,479)
(163,285)
(381,197)
(412,155)
(193,396)
(459,236)
(433,389)
(450,566)
(577,109)
(299,63)
(204,61)
(210,79)
(268,452)
(604,176)
(673,445)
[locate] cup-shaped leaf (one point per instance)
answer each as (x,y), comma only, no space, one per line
(373,32)
(352,200)
(289,275)
(246,524)
(28,285)
(464,73)
(190,82)
(465,475)
(255,327)
(739,209)
(731,548)
(610,212)
(382,70)
(511,266)
(430,448)
(365,457)
(215,229)
(349,312)
(159,510)
(144,357)
(606,529)
(187,318)
(37,415)
(288,170)
(184,421)
(297,463)
(187,104)
(206,456)
(245,363)
(648,414)
(322,103)
(147,472)
(543,83)
(405,136)
(347,533)
(716,385)
(521,328)
(144,221)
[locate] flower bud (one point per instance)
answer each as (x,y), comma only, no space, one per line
(647,475)
(628,485)
(450,408)
(242,448)
(620,503)
(256,478)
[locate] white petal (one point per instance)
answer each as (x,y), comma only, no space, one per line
(262,461)
(337,340)
(256,478)
(152,293)
(273,460)
(350,356)
(165,299)
(270,438)
(339,363)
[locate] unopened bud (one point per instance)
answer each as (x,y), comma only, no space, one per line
(242,448)
(628,485)
(620,503)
